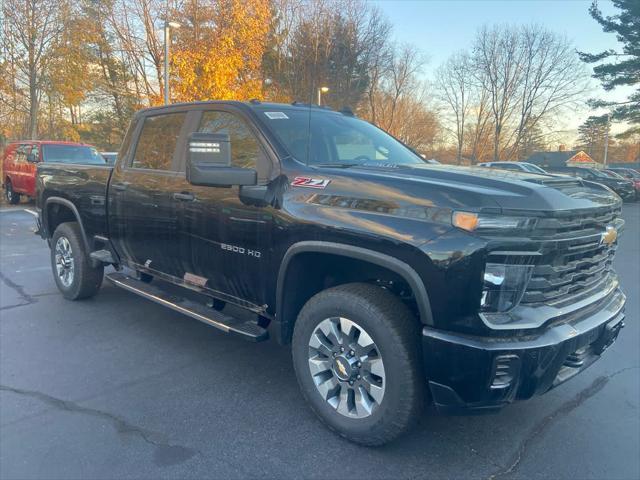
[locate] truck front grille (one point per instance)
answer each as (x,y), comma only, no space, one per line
(575,263)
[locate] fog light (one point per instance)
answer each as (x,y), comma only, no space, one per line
(505,371)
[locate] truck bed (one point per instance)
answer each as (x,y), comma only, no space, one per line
(84,186)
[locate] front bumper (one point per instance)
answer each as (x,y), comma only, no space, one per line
(467,373)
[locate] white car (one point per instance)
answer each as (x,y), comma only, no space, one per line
(109,157)
(520,166)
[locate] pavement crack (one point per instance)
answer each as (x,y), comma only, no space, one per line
(567,407)
(11,307)
(19,289)
(165,453)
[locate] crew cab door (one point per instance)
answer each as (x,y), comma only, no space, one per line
(144,218)
(229,237)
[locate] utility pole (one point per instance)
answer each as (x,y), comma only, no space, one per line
(321,90)
(606,140)
(167,36)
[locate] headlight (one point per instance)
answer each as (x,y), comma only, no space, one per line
(504,286)
(479,222)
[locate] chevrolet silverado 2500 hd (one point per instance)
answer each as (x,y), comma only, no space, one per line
(395,281)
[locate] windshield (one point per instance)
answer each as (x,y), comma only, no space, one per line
(71,154)
(598,173)
(325,138)
(613,175)
(534,169)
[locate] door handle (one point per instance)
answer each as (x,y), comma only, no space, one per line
(121,187)
(184,196)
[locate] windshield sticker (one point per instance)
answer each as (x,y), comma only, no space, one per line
(310,182)
(276,115)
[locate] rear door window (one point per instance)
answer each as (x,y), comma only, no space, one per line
(157,142)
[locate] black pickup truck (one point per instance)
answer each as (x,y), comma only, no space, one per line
(394,281)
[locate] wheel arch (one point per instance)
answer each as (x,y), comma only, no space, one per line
(58,210)
(287,311)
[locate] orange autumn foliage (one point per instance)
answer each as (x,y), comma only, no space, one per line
(218,50)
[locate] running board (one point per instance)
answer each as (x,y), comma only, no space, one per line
(245,329)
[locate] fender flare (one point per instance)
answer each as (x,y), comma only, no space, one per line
(74,210)
(391,263)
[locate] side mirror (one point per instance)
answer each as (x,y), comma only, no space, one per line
(32,158)
(209,162)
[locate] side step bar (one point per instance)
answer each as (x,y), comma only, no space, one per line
(102,256)
(246,329)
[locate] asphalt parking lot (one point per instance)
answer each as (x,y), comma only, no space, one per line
(118,387)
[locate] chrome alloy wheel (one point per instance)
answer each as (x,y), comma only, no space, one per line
(346,367)
(64,261)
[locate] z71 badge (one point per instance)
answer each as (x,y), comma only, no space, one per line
(310,182)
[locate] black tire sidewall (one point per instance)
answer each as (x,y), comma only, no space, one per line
(369,429)
(81,274)
(12,197)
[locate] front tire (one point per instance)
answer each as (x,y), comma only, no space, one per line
(72,271)
(357,360)
(12,197)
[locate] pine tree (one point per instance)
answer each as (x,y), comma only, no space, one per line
(619,68)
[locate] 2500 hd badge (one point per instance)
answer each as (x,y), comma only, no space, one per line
(402,283)
(240,250)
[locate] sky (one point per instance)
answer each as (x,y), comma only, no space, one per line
(442,27)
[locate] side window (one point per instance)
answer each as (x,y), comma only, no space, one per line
(21,154)
(245,148)
(36,153)
(126,142)
(157,141)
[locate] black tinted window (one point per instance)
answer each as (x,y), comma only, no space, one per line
(245,149)
(157,142)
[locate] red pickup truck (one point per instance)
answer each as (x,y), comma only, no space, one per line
(21,158)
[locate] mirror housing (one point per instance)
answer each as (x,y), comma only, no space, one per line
(209,162)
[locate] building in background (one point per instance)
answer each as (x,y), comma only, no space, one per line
(563,158)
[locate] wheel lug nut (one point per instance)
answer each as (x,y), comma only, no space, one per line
(351,353)
(341,349)
(359,364)
(358,377)
(351,382)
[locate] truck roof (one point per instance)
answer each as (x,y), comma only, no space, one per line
(253,104)
(49,142)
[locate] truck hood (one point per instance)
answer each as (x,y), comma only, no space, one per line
(471,188)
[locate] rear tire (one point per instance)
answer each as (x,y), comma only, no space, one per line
(73,273)
(12,197)
(384,383)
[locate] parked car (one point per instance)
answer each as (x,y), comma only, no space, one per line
(520,166)
(631,175)
(387,275)
(20,159)
(621,186)
(109,157)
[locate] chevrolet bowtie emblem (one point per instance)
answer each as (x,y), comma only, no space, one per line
(343,370)
(608,236)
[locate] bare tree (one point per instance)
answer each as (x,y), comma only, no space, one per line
(553,78)
(455,82)
(498,58)
(480,125)
(32,27)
